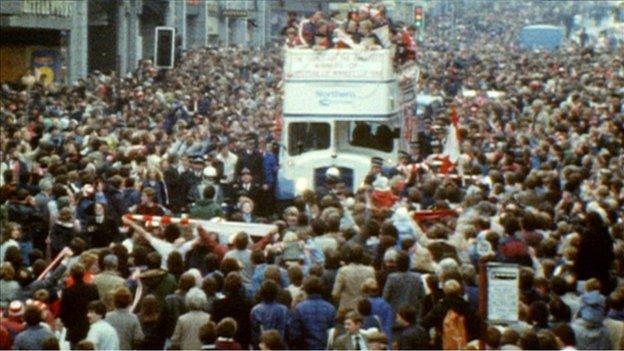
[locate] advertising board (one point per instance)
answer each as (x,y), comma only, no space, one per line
(330,98)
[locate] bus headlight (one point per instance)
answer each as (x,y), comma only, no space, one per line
(302,184)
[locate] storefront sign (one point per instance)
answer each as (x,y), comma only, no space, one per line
(235,13)
(61,8)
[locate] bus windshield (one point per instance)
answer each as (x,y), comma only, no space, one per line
(308,136)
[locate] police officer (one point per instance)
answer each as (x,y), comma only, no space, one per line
(375,170)
(332,178)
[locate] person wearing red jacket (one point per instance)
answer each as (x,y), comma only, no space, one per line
(408,44)
(13,324)
(6,342)
(382,196)
(292,39)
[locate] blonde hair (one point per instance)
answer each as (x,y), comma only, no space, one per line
(290,237)
(451,287)
(88,259)
(570,253)
(8,232)
(7,271)
(155,171)
(42,295)
(370,287)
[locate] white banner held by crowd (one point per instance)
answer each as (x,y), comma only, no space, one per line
(225,229)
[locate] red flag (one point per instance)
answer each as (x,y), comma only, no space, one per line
(447,165)
(454,117)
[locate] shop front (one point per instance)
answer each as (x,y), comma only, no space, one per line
(43,38)
(34,51)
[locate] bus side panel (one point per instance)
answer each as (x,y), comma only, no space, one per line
(285,187)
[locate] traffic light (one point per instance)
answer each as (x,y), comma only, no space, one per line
(419,17)
(164,48)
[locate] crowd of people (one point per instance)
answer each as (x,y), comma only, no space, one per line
(540,184)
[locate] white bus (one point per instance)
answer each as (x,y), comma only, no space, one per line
(341,108)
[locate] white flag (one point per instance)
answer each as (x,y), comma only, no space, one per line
(451,145)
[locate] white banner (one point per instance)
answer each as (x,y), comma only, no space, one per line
(225,229)
(338,64)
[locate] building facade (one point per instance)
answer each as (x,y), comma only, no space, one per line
(66,39)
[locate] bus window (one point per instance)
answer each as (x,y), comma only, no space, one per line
(304,137)
(373,135)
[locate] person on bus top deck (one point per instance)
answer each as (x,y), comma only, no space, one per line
(368,39)
(323,35)
(311,27)
(292,39)
(407,46)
